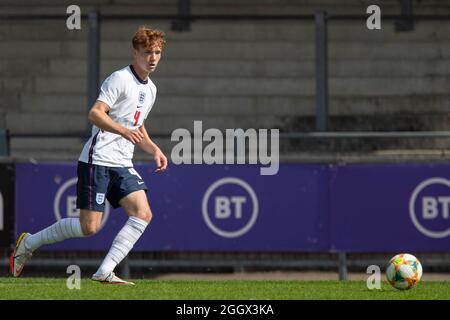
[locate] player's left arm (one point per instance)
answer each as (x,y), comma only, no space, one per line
(151,148)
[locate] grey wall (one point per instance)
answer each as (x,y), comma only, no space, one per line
(229,74)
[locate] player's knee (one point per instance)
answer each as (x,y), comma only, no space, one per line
(89,229)
(145,215)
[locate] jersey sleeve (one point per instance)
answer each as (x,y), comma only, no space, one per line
(111,90)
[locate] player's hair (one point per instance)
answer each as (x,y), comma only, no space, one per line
(146,37)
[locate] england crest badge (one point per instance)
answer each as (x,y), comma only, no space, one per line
(141,97)
(100,198)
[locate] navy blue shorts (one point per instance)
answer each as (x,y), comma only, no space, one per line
(97,183)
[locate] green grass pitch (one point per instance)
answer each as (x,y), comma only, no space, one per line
(48,288)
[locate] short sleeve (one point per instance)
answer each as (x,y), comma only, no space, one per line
(111,90)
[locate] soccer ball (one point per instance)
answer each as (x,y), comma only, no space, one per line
(404,271)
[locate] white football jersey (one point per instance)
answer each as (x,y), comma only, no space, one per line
(130,100)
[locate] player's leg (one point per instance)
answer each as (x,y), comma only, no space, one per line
(91,188)
(91,183)
(86,225)
(67,228)
(134,201)
(137,207)
(90,221)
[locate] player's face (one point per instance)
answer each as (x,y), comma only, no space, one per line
(147,58)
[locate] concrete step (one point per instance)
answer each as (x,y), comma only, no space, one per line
(21,49)
(36,156)
(223,50)
(165,124)
(223,7)
(397,122)
(46,123)
(53,103)
(284,30)
(272,9)
(231,7)
(365,148)
(219,7)
(385,86)
(268,68)
(60,85)
(355,87)
(197,67)
(9,102)
(258,51)
(18,84)
(390,105)
(199,50)
(104,6)
(41,30)
(46,149)
(190,86)
(48,3)
(162,124)
(305,106)
(213,3)
(179,106)
(232,86)
(17,67)
(47,144)
(212,30)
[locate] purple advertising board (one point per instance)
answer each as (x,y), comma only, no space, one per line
(195,207)
(305,207)
(7,196)
(390,207)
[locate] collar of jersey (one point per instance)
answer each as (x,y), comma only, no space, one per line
(136,75)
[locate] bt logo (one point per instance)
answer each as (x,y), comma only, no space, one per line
(230,207)
(429,207)
(224,208)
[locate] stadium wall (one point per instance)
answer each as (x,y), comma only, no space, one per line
(247,73)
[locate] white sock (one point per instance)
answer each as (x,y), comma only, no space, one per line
(63,229)
(122,244)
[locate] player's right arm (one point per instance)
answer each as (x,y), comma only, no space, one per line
(98,116)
